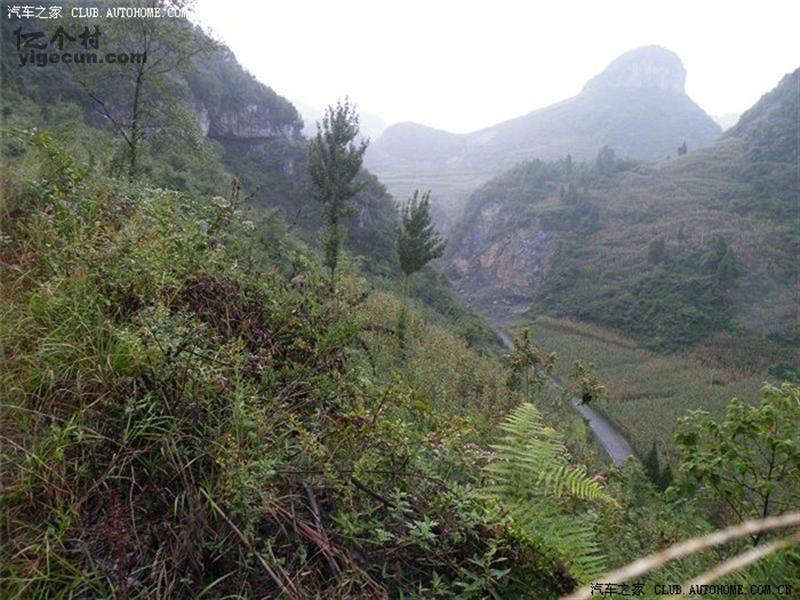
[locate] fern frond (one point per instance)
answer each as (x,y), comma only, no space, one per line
(532,476)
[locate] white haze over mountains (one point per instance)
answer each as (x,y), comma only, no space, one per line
(727,120)
(371,126)
(461,65)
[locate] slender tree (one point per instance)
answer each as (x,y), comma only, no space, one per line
(529,366)
(651,465)
(334,159)
(138,96)
(585,386)
(666,478)
(418,242)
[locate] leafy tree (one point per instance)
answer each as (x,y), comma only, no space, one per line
(585,386)
(650,463)
(418,242)
(140,97)
(606,161)
(750,461)
(529,365)
(652,466)
(682,149)
(666,478)
(721,261)
(334,160)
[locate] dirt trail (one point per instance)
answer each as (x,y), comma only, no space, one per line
(614,443)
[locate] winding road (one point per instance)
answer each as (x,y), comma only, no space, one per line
(613,442)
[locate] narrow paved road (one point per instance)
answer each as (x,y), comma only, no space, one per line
(614,443)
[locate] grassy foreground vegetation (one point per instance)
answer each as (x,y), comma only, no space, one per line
(183,416)
(193,405)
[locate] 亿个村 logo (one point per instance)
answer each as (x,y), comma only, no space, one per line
(37,48)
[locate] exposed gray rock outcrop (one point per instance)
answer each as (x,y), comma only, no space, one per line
(506,269)
(650,67)
(252,122)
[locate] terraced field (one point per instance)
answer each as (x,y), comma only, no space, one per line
(450,190)
(646,392)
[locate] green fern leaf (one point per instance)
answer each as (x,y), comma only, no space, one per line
(532,477)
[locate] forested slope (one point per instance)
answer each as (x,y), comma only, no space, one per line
(194,406)
(700,250)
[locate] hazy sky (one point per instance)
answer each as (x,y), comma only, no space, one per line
(461,65)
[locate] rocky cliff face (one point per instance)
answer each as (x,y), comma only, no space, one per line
(258,130)
(232,105)
(253,121)
(650,67)
(501,272)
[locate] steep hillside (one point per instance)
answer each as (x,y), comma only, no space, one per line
(188,79)
(205,123)
(179,414)
(207,120)
(697,251)
(193,406)
(182,418)
(637,105)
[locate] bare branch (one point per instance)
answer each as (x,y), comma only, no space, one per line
(692,546)
(108,115)
(287,588)
(740,561)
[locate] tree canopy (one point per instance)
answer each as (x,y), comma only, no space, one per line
(334,159)
(418,242)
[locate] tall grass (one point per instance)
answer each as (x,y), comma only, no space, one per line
(182,421)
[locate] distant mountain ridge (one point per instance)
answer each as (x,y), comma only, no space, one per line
(649,67)
(637,105)
(697,252)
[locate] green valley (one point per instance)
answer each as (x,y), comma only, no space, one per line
(235,362)
(692,253)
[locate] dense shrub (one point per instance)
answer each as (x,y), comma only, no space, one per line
(181,421)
